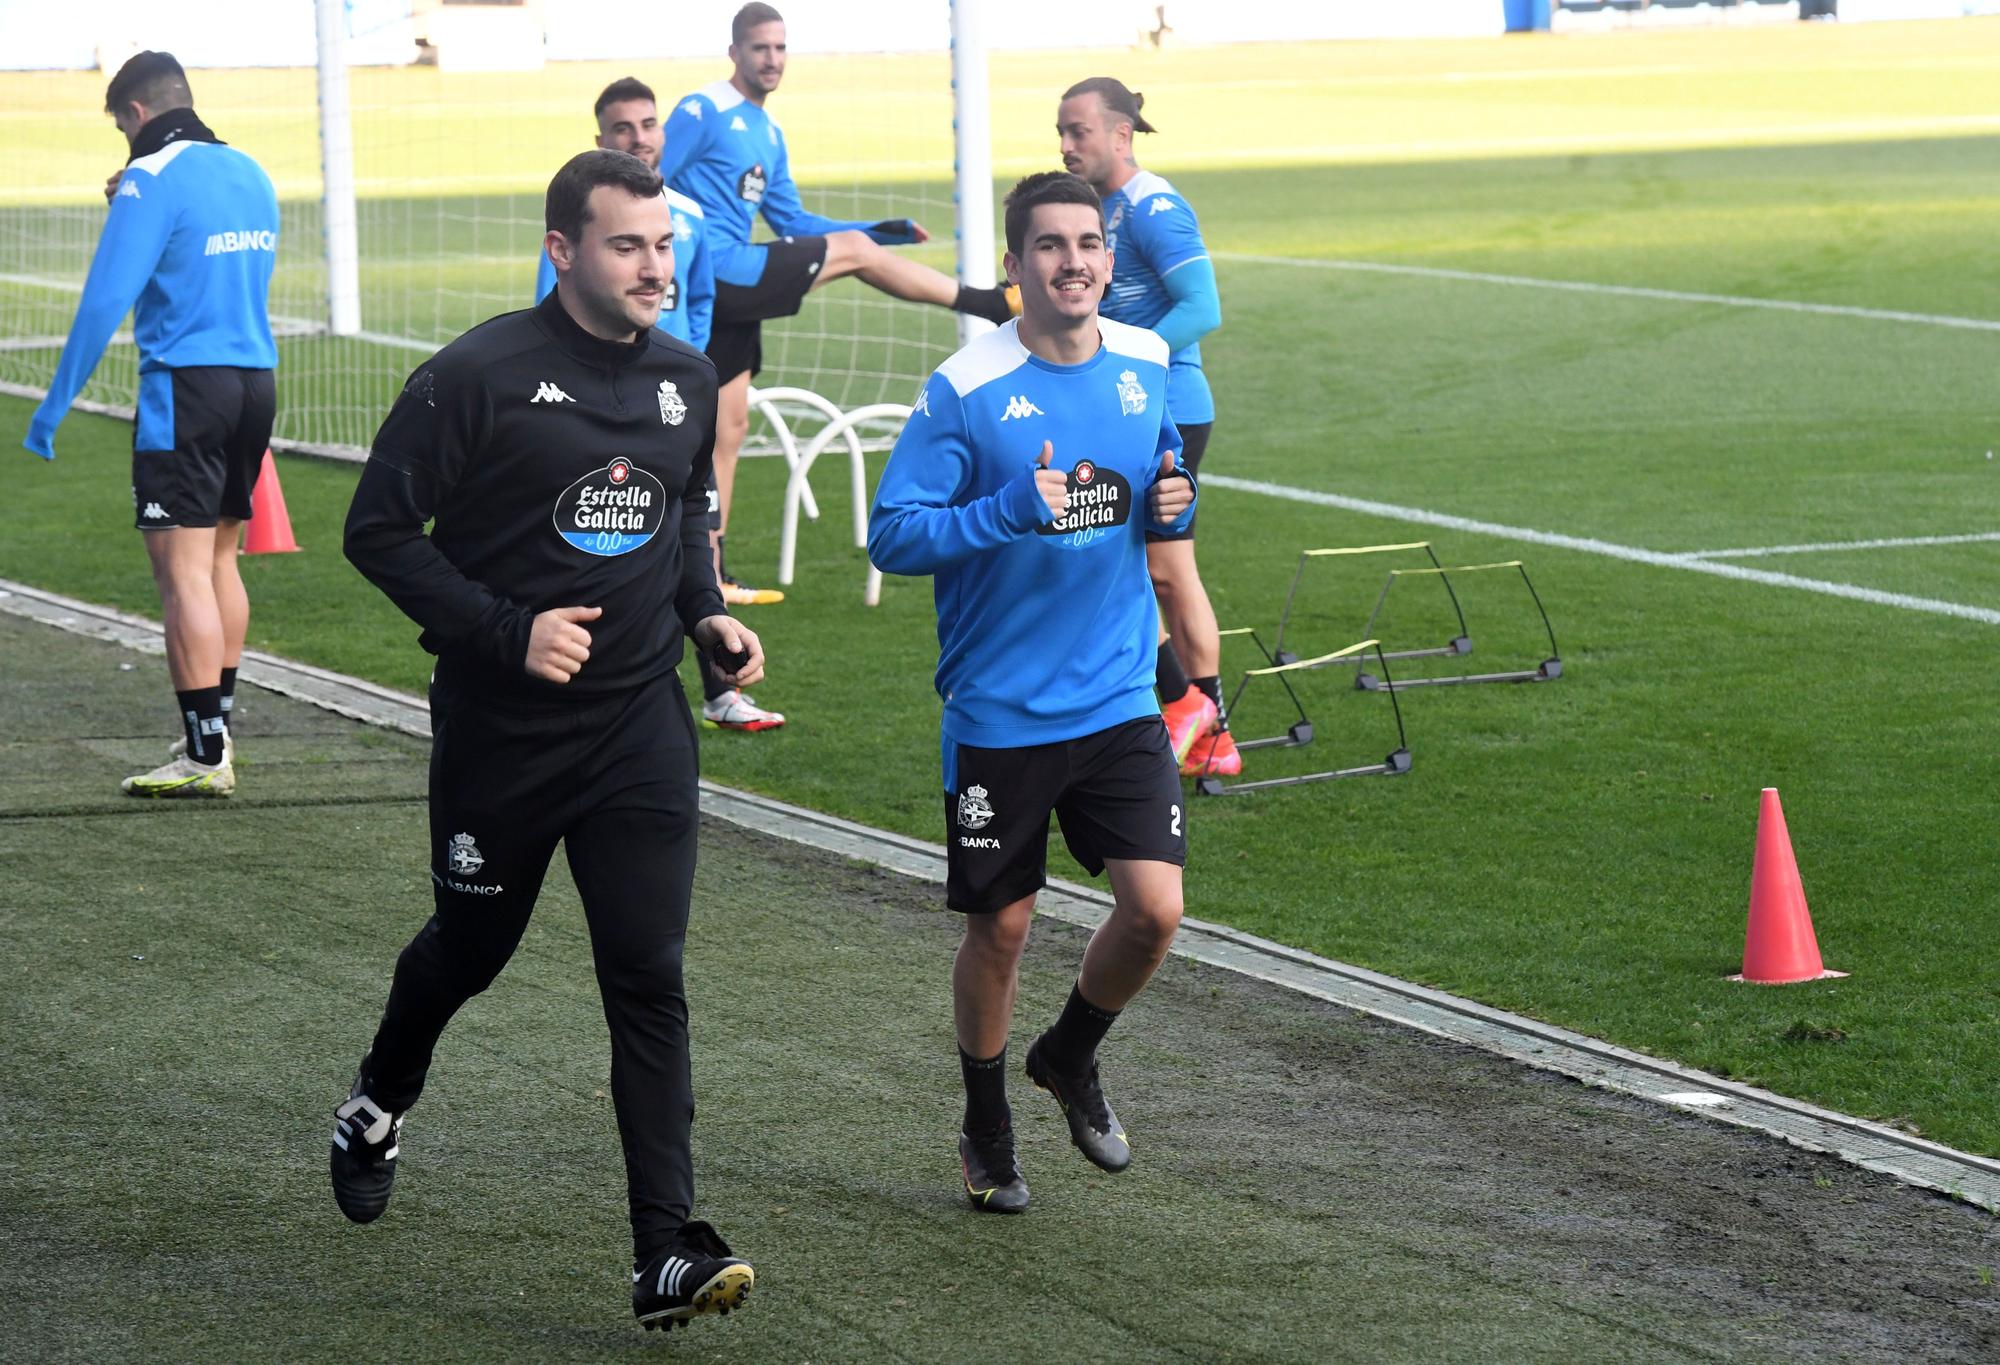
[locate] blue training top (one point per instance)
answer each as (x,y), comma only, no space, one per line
(1046,629)
(726,154)
(1162,278)
(188,249)
(690,303)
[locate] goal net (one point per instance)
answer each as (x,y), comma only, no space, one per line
(449,169)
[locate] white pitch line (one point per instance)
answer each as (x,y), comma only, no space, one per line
(1609,549)
(1632,291)
(1827,547)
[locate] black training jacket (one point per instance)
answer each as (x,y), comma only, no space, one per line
(562,471)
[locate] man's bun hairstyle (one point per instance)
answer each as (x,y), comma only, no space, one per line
(1126,104)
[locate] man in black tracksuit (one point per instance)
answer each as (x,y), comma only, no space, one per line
(564,454)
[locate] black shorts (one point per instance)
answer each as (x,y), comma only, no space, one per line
(1117,793)
(1194,444)
(735,340)
(198,444)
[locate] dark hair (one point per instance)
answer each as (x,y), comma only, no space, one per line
(621,90)
(1046,187)
(1120,101)
(153,79)
(567,208)
(749,17)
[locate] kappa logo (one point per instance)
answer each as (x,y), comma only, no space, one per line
(129,190)
(464,857)
(737,125)
(1159,206)
(692,109)
(550,393)
(771,131)
(974,810)
(923,403)
(1131,398)
(1019,406)
(672,409)
(153,512)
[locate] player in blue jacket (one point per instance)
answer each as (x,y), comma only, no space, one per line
(1036,460)
(1165,281)
(726,152)
(188,249)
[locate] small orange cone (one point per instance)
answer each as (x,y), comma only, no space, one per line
(1779,945)
(269,530)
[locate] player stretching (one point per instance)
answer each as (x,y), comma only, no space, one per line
(1164,281)
(561,458)
(628,121)
(188,249)
(727,153)
(1017,483)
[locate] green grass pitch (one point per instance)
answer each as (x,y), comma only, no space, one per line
(1580,851)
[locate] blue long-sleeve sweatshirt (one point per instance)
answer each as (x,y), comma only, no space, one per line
(1162,279)
(188,248)
(729,156)
(1047,630)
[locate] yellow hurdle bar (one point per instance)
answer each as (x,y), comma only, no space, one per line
(1311,663)
(1456,568)
(1366,549)
(1240,630)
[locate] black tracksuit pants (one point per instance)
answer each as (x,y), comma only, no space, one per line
(615,781)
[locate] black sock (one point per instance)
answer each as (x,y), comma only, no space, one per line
(990,304)
(1169,676)
(228,693)
(985,1092)
(1071,1045)
(721,558)
(201,723)
(1211,688)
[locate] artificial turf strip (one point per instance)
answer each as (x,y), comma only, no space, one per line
(1309,1185)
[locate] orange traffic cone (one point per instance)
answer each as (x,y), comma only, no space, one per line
(1779,946)
(269,530)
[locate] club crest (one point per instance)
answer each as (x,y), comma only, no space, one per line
(974,811)
(1131,398)
(464,856)
(672,409)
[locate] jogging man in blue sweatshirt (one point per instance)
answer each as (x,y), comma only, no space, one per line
(1036,460)
(188,249)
